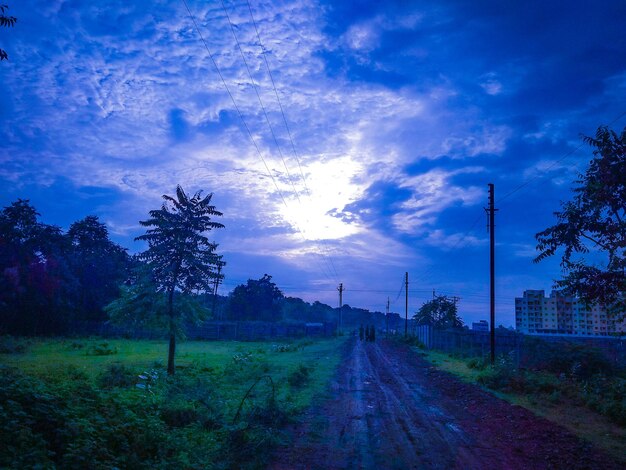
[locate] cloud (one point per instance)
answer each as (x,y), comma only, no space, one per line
(397,115)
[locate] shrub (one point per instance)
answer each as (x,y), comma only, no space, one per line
(478,363)
(101,349)
(413,341)
(573,360)
(284,347)
(180,414)
(117,375)
(300,377)
(11,345)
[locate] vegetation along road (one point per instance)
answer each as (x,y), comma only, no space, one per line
(389,408)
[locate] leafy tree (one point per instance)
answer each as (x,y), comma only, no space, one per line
(180,257)
(142,307)
(594,224)
(35,282)
(440,312)
(98,264)
(5,21)
(256,300)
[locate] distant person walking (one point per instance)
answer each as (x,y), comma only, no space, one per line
(361,333)
(372,333)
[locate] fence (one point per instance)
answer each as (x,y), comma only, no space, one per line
(523,348)
(214,330)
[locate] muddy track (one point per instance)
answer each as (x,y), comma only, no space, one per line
(390,409)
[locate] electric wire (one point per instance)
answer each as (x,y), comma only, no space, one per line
(240,114)
(258,95)
(544,171)
(282,112)
(271,128)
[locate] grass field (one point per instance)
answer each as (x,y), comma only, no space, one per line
(556,407)
(68,397)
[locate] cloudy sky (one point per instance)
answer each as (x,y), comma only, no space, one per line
(345,142)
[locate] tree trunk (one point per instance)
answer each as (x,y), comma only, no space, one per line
(171,367)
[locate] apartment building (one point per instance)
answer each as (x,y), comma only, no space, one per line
(562,315)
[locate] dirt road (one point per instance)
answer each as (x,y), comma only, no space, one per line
(390,409)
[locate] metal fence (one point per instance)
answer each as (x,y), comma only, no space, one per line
(524,349)
(213,330)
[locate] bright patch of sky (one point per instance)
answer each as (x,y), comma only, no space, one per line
(391,118)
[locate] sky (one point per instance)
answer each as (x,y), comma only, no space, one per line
(344,142)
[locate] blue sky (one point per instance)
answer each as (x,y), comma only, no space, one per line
(396,116)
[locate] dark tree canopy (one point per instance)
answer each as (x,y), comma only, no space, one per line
(179,255)
(256,300)
(51,281)
(440,312)
(98,264)
(591,228)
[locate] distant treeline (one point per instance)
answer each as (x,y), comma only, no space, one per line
(51,279)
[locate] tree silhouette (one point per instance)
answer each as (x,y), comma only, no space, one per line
(35,283)
(6,22)
(179,256)
(440,312)
(98,264)
(256,300)
(594,224)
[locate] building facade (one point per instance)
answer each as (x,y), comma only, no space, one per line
(561,314)
(482,325)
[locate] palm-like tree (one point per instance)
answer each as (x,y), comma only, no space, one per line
(179,255)
(5,21)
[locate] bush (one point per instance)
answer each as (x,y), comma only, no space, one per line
(413,341)
(573,360)
(11,345)
(178,415)
(101,349)
(478,363)
(117,375)
(300,377)
(284,347)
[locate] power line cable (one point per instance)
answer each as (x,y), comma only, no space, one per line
(282,112)
(271,128)
(544,171)
(238,110)
(258,95)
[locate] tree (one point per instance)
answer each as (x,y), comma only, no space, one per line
(142,307)
(98,264)
(594,224)
(440,312)
(5,21)
(180,257)
(35,282)
(256,300)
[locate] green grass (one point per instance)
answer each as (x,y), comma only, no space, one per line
(554,406)
(66,397)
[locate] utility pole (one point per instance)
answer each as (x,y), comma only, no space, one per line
(217,283)
(340,289)
(387,319)
(433,294)
(406,304)
(492,271)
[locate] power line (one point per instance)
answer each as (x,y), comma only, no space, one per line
(269,124)
(544,171)
(234,102)
(258,95)
(282,112)
(239,111)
